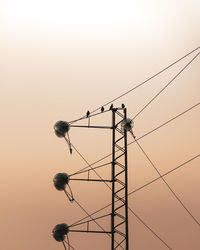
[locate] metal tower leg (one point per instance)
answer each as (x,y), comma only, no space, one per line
(119,215)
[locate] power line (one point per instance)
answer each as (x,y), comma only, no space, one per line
(145,185)
(165,123)
(64,245)
(78,152)
(138,190)
(81,223)
(129,208)
(69,245)
(140,112)
(168,186)
(137,86)
(89,215)
(142,221)
(89,116)
(84,171)
(143,137)
(92,219)
(78,202)
(89,165)
(166,86)
(154,180)
(139,138)
(150,229)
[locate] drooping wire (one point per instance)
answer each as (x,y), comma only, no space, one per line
(139,85)
(141,137)
(166,183)
(166,86)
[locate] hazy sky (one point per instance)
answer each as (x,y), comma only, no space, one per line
(62,58)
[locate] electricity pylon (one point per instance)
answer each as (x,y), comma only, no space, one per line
(119,180)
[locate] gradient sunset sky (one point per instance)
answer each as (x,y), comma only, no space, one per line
(62,58)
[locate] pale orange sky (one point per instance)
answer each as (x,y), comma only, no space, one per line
(62,58)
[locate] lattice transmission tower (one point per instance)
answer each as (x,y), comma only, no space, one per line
(118,180)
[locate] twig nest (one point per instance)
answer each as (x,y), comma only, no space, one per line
(61,128)
(127,124)
(60,181)
(60,231)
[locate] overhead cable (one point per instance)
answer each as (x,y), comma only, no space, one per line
(151,230)
(141,137)
(166,86)
(137,86)
(168,186)
(145,185)
(92,219)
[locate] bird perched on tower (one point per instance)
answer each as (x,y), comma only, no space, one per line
(88,113)
(123,106)
(111,106)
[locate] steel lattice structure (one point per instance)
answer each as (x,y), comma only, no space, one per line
(119,181)
(119,216)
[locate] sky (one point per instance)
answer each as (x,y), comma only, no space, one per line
(62,58)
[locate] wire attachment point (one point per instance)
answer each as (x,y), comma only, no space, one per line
(61,180)
(127,124)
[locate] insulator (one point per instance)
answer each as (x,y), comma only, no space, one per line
(60,231)
(61,128)
(127,124)
(60,181)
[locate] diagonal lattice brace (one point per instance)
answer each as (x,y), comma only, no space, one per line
(119,177)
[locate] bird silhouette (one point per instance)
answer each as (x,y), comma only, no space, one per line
(111,106)
(88,113)
(102,108)
(123,106)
